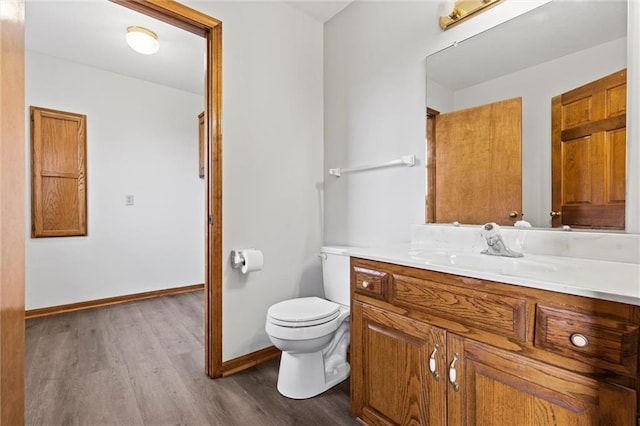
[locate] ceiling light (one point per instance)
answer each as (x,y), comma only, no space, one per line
(142,40)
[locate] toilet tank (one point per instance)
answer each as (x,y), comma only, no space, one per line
(335,274)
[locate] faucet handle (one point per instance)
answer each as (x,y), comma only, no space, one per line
(491,226)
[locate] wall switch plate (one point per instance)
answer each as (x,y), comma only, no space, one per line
(128,200)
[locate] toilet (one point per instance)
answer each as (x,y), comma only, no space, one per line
(313,333)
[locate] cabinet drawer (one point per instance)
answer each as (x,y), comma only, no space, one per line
(500,314)
(370,282)
(598,341)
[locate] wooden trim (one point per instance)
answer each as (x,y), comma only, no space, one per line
(431,165)
(249,360)
(12,212)
(210,28)
(556,160)
(213,131)
(173,13)
(607,124)
(90,304)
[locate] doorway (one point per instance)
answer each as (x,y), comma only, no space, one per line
(211,30)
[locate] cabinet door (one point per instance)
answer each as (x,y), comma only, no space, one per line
(392,382)
(502,388)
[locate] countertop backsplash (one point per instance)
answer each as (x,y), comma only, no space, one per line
(596,245)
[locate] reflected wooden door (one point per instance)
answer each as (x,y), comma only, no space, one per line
(478,164)
(589,154)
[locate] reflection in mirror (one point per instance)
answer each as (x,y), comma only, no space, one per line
(549,51)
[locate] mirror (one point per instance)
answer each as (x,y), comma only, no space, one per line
(545,52)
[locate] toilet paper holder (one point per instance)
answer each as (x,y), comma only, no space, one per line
(237,260)
(247,260)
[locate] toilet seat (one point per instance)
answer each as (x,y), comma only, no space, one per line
(303,312)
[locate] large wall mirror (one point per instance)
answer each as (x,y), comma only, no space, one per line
(512,79)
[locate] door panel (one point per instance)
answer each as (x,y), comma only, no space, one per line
(478,164)
(617,157)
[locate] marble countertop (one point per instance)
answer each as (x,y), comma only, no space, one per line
(608,280)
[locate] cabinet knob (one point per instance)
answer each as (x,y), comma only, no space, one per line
(555,214)
(513,214)
(579,340)
(366,284)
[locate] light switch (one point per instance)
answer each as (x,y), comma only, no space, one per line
(128,200)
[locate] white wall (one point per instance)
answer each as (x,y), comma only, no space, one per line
(543,82)
(142,139)
(272,160)
(374,111)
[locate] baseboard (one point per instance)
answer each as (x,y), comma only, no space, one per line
(249,360)
(54,310)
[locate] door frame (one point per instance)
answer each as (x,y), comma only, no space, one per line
(210,29)
(12,212)
(430,208)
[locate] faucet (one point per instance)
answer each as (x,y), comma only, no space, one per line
(495,243)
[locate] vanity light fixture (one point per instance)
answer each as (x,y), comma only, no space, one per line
(142,40)
(454,11)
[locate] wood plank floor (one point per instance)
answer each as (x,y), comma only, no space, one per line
(142,363)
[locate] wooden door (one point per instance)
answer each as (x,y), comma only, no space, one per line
(589,154)
(499,388)
(394,384)
(58,173)
(478,164)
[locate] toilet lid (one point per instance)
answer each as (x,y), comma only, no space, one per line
(303,312)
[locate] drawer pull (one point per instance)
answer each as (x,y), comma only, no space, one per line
(432,364)
(579,340)
(366,284)
(453,375)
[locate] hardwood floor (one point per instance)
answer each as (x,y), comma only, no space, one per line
(143,363)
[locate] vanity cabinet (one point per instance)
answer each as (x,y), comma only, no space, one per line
(437,349)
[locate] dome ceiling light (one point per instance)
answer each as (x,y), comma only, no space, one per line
(142,40)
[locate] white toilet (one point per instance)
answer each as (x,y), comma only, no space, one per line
(313,333)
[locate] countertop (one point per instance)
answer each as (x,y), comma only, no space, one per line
(614,281)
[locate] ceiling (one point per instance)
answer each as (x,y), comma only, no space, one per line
(92,33)
(321,11)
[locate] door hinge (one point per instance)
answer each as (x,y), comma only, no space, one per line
(210,220)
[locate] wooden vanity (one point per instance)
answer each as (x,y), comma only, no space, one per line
(433,348)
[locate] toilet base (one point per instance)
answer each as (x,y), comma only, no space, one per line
(311,367)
